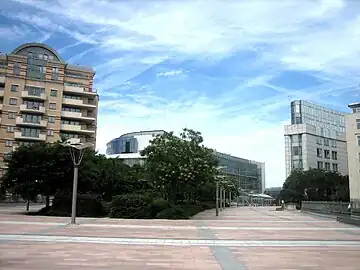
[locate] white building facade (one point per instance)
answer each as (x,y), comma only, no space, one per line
(352,122)
(315,139)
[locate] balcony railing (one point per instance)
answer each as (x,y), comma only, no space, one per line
(39,109)
(78,90)
(77,102)
(77,128)
(22,122)
(40,137)
(77,115)
(26,94)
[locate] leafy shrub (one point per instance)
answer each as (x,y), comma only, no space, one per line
(130,206)
(208,205)
(175,212)
(87,206)
(157,206)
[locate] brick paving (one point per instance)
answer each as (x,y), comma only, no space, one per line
(243,238)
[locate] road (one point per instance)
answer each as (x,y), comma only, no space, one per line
(244,238)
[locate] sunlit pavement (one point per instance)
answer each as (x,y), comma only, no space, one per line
(241,238)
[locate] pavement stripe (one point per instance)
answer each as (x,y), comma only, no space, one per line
(223,254)
(177,242)
(164,227)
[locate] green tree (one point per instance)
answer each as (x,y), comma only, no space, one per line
(179,166)
(315,185)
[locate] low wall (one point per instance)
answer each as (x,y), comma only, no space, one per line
(333,208)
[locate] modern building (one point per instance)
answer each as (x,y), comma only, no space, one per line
(128,146)
(250,174)
(352,122)
(43,99)
(315,139)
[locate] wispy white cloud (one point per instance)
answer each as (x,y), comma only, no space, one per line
(136,37)
(169,73)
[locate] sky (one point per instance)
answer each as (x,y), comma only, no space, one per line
(228,69)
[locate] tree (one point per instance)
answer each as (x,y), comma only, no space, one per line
(315,185)
(44,168)
(179,166)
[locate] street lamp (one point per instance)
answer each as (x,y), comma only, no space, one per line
(75,147)
(217,188)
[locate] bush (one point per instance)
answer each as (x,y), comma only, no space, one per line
(86,206)
(180,212)
(130,206)
(157,206)
(208,205)
(175,212)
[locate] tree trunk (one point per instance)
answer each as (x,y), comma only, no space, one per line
(27,205)
(47,201)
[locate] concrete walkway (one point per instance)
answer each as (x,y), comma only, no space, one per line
(250,238)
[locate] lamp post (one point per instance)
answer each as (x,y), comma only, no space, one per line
(218,190)
(74,148)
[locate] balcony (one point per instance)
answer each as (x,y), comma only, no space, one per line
(78,90)
(77,128)
(77,102)
(20,136)
(34,109)
(2,78)
(77,115)
(26,94)
(21,122)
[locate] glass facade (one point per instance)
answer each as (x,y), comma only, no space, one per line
(249,173)
(329,122)
(122,145)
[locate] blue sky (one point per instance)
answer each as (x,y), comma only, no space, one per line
(226,68)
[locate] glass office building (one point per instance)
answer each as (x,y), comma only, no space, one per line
(250,174)
(315,138)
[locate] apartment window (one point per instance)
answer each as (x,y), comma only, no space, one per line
(10,129)
(55,73)
(326,153)
(35,91)
(358,123)
(30,118)
(36,71)
(53,93)
(35,105)
(69,135)
(335,167)
(13,101)
(46,57)
(52,106)
(8,143)
(319,152)
(333,143)
(50,132)
(11,115)
(52,119)
(71,97)
(30,132)
(17,67)
(320,165)
(326,142)
(14,88)
(319,140)
(358,140)
(70,122)
(334,155)
(69,109)
(327,166)
(297,150)
(26,143)
(30,55)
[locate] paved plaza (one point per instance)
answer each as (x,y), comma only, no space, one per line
(244,238)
